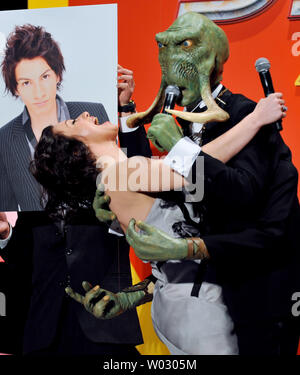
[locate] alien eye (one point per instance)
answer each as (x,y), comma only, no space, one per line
(160,45)
(187,43)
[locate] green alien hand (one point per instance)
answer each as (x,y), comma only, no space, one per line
(104,304)
(163,132)
(101,206)
(156,245)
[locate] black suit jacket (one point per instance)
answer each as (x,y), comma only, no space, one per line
(56,259)
(251,216)
(18,188)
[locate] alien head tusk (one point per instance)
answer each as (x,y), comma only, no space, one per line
(136,119)
(215,114)
(141,118)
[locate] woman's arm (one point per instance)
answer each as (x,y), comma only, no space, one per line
(267,111)
(240,183)
(140,174)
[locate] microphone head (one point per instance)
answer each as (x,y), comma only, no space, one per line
(173,90)
(262,65)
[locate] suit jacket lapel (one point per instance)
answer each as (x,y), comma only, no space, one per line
(21,157)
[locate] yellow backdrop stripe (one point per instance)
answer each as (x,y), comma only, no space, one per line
(33,4)
(152,345)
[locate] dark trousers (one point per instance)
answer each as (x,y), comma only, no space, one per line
(70,340)
(277,337)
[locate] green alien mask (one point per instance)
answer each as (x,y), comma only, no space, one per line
(192,52)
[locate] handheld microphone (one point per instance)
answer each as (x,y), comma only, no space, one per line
(172,95)
(262,65)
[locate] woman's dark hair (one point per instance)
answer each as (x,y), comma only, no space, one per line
(66,169)
(28,42)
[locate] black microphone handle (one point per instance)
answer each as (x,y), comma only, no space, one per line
(266,81)
(170,100)
(267,84)
(169,103)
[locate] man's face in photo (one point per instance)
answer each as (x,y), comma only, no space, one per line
(36,85)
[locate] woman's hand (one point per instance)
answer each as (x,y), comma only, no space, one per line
(269,110)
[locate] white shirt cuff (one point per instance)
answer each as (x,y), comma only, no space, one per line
(3,243)
(123,126)
(182,156)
